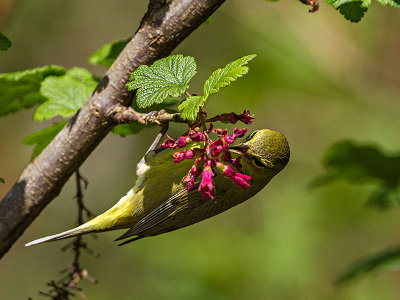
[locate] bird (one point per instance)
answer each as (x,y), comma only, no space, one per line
(159,202)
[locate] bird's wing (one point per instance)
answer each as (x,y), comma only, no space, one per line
(184,209)
(156,216)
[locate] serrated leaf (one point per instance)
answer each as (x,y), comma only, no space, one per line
(5,43)
(389,257)
(190,107)
(166,77)
(223,77)
(107,54)
(65,94)
(394,3)
(42,138)
(350,9)
(22,89)
(353,11)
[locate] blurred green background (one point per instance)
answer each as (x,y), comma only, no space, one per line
(317,78)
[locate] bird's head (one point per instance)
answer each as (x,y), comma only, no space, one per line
(264,151)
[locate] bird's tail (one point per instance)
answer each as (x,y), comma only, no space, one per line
(83,229)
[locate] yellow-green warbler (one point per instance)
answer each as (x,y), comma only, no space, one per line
(161,201)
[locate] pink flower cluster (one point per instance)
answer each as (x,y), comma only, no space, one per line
(210,157)
(245,117)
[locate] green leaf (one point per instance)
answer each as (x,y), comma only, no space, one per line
(190,107)
(65,94)
(359,163)
(166,77)
(2,180)
(107,54)
(22,89)
(43,137)
(5,43)
(223,77)
(384,198)
(394,3)
(390,257)
(352,10)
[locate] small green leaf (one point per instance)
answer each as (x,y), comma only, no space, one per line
(22,89)
(5,43)
(352,10)
(223,77)
(65,94)
(386,258)
(2,180)
(43,137)
(394,3)
(190,107)
(166,77)
(107,54)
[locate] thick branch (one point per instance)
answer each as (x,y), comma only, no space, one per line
(164,26)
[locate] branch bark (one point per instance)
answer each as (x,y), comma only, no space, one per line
(164,26)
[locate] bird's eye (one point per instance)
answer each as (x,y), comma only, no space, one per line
(258,163)
(253,134)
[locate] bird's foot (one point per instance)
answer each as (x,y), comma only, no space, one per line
(151,116)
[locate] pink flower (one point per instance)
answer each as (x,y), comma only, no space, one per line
(196,135)
(194,173)
(186,154)
(238,178)
(206,186)
(178,156)
(225,118)
(245,117)
(217,147)
(229,138)
(226,157)
(168,143)
(189,154)
(220,132)
(180,142)
(236,163)
(239,132)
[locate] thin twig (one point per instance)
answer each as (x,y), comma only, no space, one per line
(64,287)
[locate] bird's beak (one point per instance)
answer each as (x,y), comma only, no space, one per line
(240,149)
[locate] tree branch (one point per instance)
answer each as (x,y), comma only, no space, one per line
(164,26)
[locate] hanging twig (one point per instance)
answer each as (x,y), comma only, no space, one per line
(64,287)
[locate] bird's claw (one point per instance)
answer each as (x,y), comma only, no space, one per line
(150,117)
